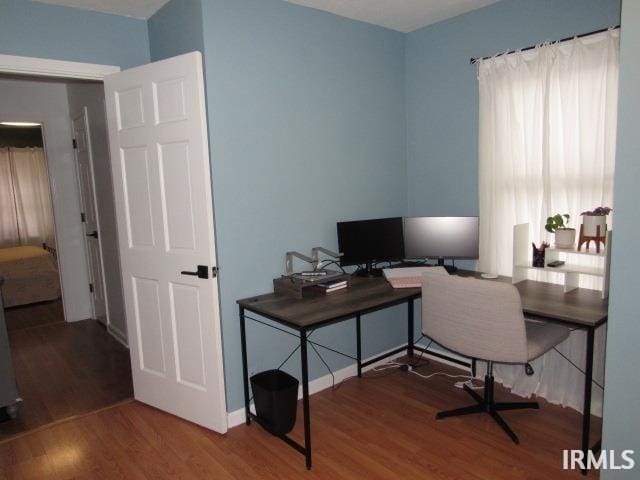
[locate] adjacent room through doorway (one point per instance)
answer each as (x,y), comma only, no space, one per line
(65,329)
(28,262)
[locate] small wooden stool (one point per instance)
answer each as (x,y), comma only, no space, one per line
(598,238)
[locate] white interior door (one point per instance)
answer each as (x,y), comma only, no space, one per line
(84,161)
(162,186)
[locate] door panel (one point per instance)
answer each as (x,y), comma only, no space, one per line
(146,294)
(186,312)
(137,197)
(162,187)
(130,112)
(169,101)
(177,197)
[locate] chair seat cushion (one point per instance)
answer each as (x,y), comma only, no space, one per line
(542,336)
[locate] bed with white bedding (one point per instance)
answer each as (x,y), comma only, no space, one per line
(30,275)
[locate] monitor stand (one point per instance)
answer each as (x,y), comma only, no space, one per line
(449,268)
(368,271)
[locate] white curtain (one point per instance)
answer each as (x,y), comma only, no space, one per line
(9,235)
(25,199)
(547,146)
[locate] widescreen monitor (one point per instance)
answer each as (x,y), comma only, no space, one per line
(441,237)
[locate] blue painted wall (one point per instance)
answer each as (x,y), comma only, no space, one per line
(622,396)
(36,29)
(307,128)
(442,92)
(315,118)
(176,29)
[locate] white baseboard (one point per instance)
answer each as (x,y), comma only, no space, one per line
(118,335)
(444,361)
(237,417)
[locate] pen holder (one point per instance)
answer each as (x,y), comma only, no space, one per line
(538,257)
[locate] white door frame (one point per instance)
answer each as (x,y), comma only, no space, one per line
(45,67)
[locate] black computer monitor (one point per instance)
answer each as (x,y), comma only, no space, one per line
(441,238)
(365,242)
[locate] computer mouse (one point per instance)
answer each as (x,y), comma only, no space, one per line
(489,276)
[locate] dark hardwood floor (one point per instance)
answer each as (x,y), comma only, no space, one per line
(27,316)
(62,369)
(371,428)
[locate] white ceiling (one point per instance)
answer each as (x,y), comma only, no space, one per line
(401,15)
(128,8)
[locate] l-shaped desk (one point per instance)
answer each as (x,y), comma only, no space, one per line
(578,309)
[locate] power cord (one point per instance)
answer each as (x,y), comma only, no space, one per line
(409,368)
(406,367)
(390,365)
(391,371)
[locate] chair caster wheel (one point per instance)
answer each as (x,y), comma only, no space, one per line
(12,411)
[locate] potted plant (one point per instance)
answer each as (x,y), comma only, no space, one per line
(565,236)
(592,219)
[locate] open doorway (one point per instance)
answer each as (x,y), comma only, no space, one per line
(66,356)
(162,198)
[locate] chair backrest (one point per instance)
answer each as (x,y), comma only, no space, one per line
(478,318)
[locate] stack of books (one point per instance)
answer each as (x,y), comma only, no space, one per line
(330,286)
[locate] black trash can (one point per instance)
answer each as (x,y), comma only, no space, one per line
(275,394)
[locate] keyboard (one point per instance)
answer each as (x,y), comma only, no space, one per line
(410,277)
(406,282)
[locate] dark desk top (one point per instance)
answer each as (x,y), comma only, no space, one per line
(364,294)
(580,307)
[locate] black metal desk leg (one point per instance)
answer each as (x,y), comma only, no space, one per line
(305,397)
(245,370)
(586,410)
(410,327)
(359,345)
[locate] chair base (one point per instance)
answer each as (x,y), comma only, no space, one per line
(487,405)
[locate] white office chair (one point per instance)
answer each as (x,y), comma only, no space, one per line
(483,319)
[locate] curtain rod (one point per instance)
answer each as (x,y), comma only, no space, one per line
(474,60)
